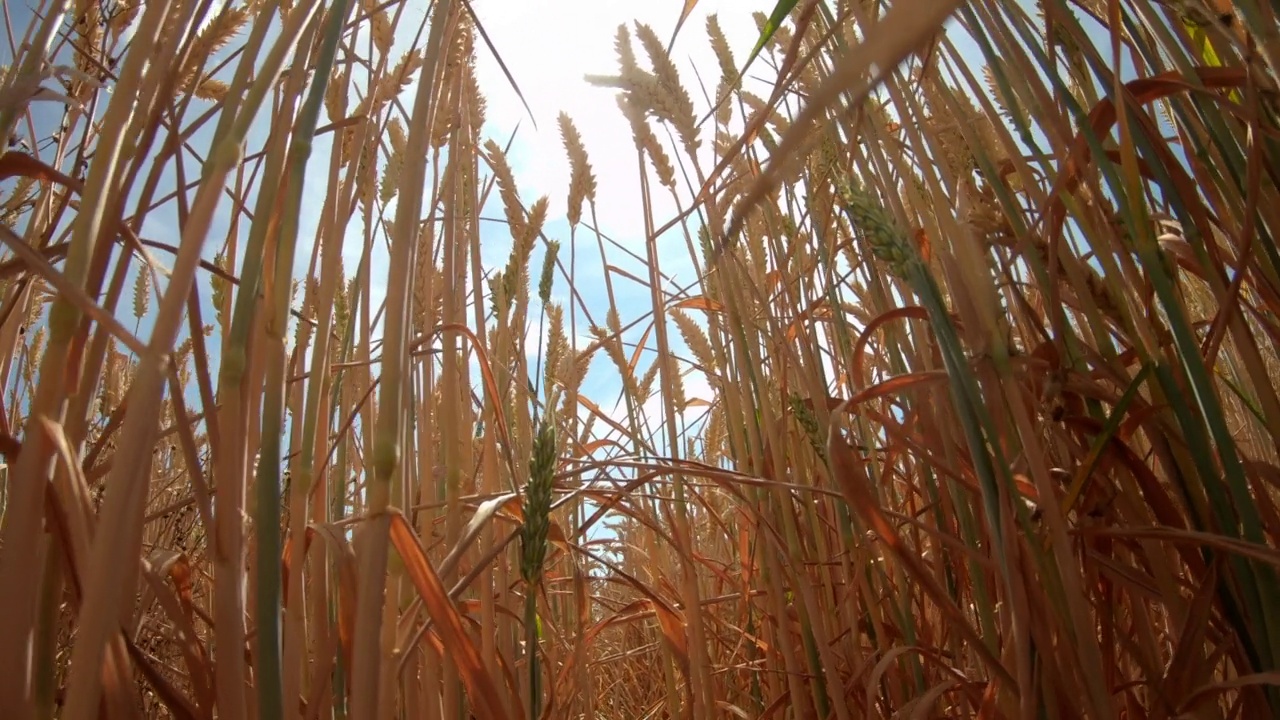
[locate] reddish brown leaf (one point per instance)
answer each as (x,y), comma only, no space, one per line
(447,621)
(846,467)
(698,302)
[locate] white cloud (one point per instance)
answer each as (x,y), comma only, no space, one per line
(549,48)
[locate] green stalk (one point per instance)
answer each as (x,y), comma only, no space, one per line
(270,681)
(306,506)
(229,454)
(531,649)
(385,461)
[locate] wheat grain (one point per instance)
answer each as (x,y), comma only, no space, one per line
(724,56)
(582,181)
(141,294)
(506,188)
(214,37)
(675,101)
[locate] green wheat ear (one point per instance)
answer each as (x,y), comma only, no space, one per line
(537,502)
(804,416)
(884,235)
(533,545)
(548,272)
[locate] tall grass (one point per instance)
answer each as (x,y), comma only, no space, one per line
(969,411)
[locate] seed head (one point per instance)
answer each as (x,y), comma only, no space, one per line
(537,502)
(883,234)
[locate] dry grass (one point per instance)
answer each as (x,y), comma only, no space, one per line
(970,412)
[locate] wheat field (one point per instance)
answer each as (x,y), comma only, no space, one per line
(940,382)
